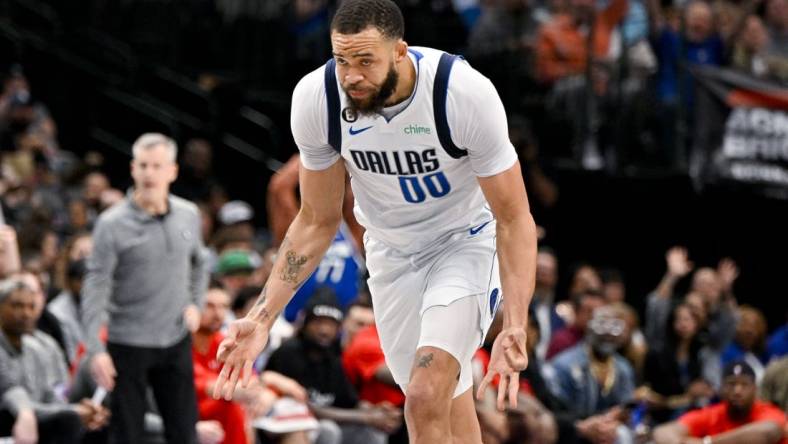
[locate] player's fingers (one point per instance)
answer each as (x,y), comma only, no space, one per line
(218,386)
(483,385)
(514,386)
(247,374)
(516,358)
(502,393)
(229,388)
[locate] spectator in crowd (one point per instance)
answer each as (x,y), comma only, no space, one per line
(46,321)
(250,402)
(774,386)
(585,277)
(94,185)
(366,370)
(66,307)
(750,48)
(10,262)
(563,46)
(714,289)
(613,287)
(543,302)
(777,24)
(312,358)
(36,368)
(585,304)
(591,377)
(195,177)
(634,347)
(678,374)
(777,345)
(739,418)
(749,344)
(147,276)
(235,268)
(359,316)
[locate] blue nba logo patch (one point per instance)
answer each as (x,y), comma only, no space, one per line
(493,301)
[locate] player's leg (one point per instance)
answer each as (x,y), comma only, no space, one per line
(428,397)
(439,391)
(464,422)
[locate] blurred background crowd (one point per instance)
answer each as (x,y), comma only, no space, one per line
(653,294)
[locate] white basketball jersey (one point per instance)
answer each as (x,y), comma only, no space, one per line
(412,193)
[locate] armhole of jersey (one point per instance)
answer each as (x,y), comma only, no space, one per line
(332,107)
(440,91)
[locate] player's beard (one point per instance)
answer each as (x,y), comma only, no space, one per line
(375,104)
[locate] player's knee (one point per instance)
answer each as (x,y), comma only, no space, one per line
(425,400)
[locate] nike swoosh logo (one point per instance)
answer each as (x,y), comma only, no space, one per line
(479,228)
(358,131)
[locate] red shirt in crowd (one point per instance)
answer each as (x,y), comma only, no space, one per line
(229,414)
(361,359)
(714,420)
(564,339)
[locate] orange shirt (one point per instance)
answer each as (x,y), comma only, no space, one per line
(361,359)
(561,44)
(714,420)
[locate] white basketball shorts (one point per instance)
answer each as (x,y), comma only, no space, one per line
(444,298)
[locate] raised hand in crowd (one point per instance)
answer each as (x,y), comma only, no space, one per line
(679,265)
(728,272)
(9,251)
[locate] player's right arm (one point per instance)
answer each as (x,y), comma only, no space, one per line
(307,240)
(322,181)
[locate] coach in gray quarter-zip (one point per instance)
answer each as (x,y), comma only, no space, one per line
(146,279)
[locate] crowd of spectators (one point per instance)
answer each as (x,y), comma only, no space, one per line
(696,364)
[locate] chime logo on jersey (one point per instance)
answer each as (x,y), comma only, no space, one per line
(396,163)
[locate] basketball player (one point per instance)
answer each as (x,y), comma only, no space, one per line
(439,190)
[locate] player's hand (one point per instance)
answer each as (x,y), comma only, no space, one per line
(238,351)
(508,358)
(103,370)
(191,317)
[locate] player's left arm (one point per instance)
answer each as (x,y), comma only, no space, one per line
(478,123)
(516,242)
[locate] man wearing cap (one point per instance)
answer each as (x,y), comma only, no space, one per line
(739,418)
(146,279)
(234,269)
(312,358)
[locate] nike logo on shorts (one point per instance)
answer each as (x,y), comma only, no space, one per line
(359,131)
(476,230)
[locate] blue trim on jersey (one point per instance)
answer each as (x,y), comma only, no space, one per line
(333,106)
(493,301)
(417,54)
(440,91)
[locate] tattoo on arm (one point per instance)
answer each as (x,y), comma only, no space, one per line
(263,314)
(291,269)
(425,361)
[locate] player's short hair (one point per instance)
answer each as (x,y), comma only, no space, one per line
(354,16)
(151,140)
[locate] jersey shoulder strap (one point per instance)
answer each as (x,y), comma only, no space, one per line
(332,106)
(439,91)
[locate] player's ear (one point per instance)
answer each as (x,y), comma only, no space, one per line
(400,50)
